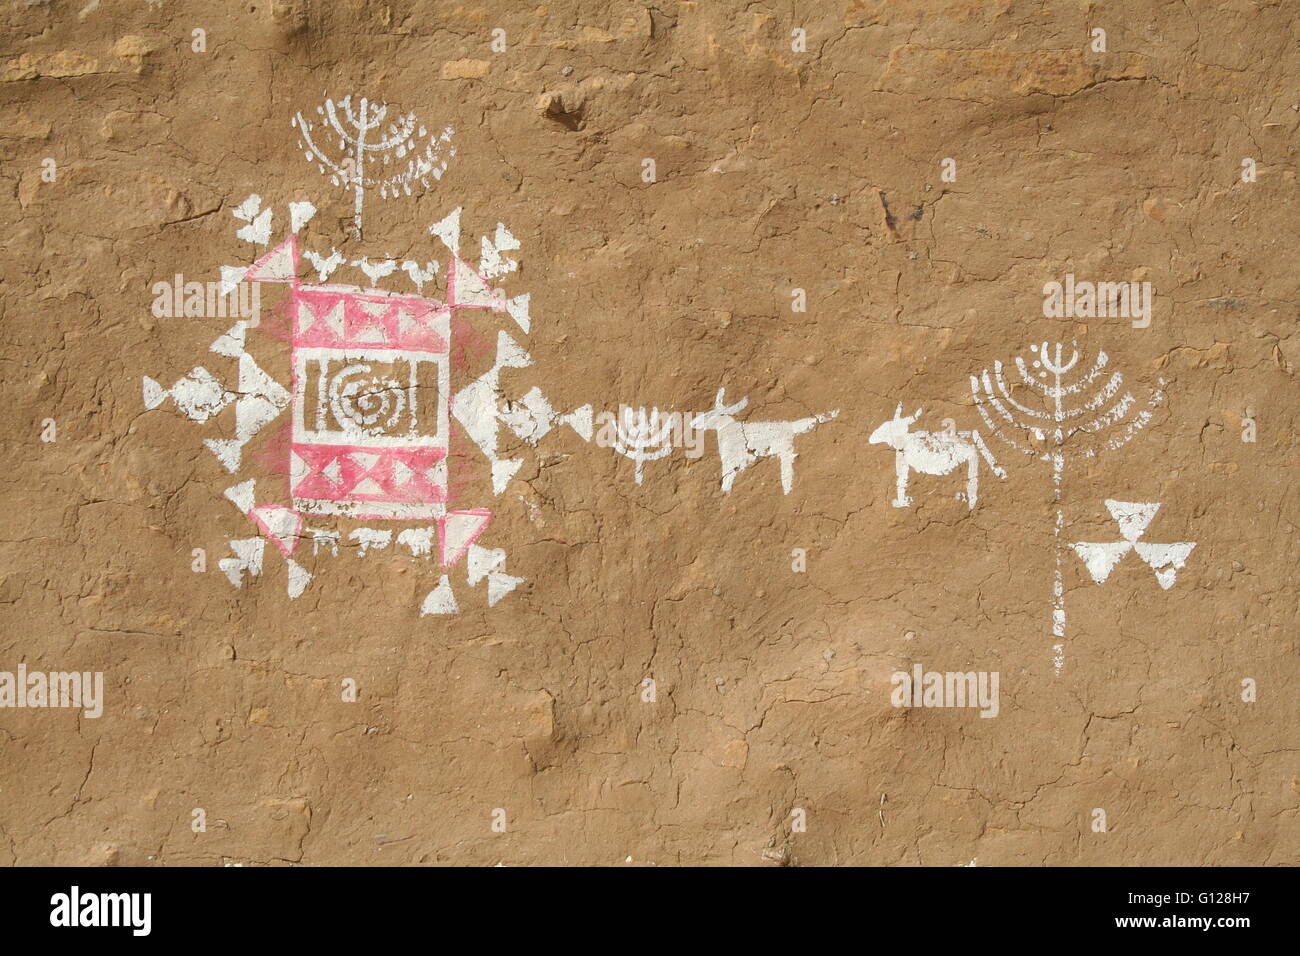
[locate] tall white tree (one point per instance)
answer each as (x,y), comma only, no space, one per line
(1078,419)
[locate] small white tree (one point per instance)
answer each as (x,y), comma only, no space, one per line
(357,151)
(643,438)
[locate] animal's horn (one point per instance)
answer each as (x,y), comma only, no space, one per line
(898,412)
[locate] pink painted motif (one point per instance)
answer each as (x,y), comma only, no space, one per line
(370,401)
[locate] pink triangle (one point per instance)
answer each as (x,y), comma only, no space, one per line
(278,265)
(320,317)
(279,524)
(458,530)
(317,457)
(467,289)
(366,319)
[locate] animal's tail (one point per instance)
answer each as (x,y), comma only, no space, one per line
(805,425)
(979,443)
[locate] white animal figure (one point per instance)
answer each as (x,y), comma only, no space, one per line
(420,276)
(740,444)
(324,265)
(377,270)
(932,453)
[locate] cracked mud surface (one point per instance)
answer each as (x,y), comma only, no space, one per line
(776,170)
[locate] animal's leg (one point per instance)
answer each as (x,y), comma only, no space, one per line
(972,480)
(787,472)
(730,469)
(900,493)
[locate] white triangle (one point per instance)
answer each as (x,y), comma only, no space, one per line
(1101,559)
(257,231)
(300,214)
(250,551)
(457,531)
(492,264)
(367,486)
(251,413)
(153,393)
(504,240)
(502,472)
(247,209)
(254,381)
(470,287)
(278,265)
(500,584)
(580,421)
(233,570)
(509,353)
(242,494)
(299,578)
(231,276)
(475,407)
(401,473)
(518,309)
(229,451)
(281,523)
(440,600)
(535,401)
(365,459)
(531,417)
(1132,516)
(306,315)
(405,323)
(231,344)
(448,230)
(1166,560)
(298,468)
(373,332)
(333,471)
(479,561)
(334,318)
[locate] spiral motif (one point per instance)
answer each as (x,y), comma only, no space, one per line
(364,402)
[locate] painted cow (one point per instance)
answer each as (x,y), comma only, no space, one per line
(932,453)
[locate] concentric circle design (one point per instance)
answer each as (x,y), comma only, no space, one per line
(364,402)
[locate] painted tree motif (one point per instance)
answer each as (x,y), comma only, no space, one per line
(357,151)
(642,437)
(1079,419)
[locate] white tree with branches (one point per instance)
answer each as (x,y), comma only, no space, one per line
(426,155)
(1058,431)
(642,437)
